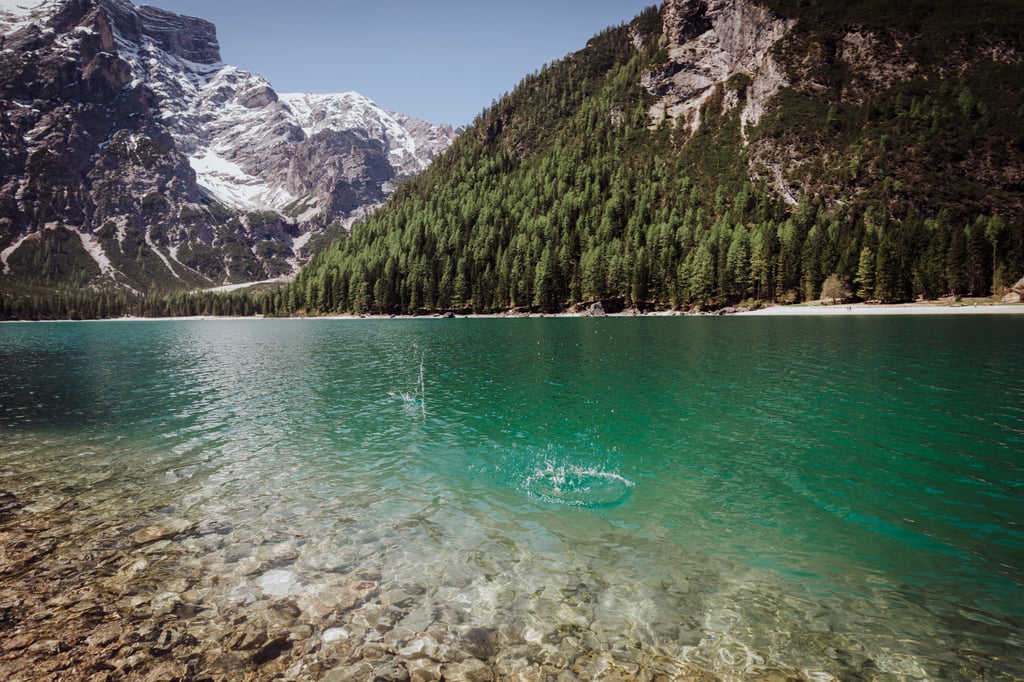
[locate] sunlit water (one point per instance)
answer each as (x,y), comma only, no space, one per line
(839,497)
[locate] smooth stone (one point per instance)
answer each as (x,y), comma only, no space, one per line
(469,670)
(164,603)
(161,531)
(335,635)
(248,566)
(48,647)
(276,583)
(280,553)
(357,671)
(390,672)
(424,670)
(422,647)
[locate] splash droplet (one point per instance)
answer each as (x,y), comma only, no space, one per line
(579,486)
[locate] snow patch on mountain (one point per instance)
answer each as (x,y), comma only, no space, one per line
(9,251)
(408,152)
(95,250)
(15,16)
(227,181)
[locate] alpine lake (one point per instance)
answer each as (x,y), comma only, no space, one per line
(649,498)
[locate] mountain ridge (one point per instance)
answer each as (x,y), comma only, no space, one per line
(122,125)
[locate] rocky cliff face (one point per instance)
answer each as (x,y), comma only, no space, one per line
(832,70)
(120,126)
(708,43)
(721,47)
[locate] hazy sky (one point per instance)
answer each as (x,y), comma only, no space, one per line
(442,61)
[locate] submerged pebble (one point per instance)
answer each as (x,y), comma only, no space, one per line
(161,531)
(276,583)
(335,635)
(161,607)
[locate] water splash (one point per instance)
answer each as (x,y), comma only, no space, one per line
(415,401)
(578,486)
(423,392)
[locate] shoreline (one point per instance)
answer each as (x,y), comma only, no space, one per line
(889,309)
(813,308)
(800,309)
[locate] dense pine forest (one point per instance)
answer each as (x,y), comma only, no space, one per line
(66,303)
(564,193)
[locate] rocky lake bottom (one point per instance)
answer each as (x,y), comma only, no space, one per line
(165,598)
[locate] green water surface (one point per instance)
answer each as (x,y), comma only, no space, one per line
(839,495)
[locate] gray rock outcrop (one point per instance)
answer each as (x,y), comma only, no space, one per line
(121,127)
(1016,292)
(708,42)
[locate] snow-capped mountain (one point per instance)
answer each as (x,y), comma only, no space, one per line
(132,149)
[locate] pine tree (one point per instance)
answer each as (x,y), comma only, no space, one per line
(865,279)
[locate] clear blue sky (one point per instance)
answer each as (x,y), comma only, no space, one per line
(441,61)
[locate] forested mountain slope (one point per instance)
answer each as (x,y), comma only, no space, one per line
(711,152)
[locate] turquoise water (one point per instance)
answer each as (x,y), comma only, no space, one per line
(838,497)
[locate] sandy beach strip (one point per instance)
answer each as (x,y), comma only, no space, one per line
(892,309)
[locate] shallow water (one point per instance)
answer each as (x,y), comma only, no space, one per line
(824,497)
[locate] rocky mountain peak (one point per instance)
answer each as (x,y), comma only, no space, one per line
(186,37)
(121,125)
